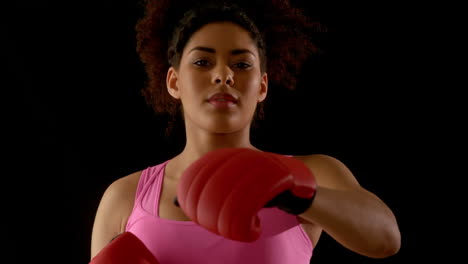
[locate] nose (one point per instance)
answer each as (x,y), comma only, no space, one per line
(224,75)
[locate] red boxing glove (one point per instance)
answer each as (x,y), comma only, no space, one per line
(125,249)
(225,189)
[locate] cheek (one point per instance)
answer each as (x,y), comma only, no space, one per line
(253,87)
(192,83)
(197,80)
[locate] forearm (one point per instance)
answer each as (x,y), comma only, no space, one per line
(358,220)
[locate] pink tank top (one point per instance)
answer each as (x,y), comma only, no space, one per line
(283,240)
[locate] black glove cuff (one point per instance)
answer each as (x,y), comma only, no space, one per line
(290,203)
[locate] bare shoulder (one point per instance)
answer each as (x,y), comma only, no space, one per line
(113,211)
(120,194)
(125,187)
(330,172)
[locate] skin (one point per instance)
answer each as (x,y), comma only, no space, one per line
(353,216)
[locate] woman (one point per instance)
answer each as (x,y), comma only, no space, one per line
(217,79)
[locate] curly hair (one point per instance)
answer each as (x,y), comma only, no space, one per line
(281,32)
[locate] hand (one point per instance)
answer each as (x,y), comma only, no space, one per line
(225,189)
(124,249)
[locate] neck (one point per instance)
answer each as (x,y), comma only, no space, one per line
(200,142)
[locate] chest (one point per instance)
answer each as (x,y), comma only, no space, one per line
(167,209)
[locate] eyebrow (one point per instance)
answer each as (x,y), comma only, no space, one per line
(233,52)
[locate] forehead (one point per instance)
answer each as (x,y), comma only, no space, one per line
(222,36)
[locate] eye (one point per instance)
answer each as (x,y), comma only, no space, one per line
(242,65)
(201,63)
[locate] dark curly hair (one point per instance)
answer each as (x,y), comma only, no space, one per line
(281,32)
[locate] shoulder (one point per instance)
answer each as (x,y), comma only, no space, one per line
(120,196)
(125,184)
(113,211)
(121,190)
(329,171)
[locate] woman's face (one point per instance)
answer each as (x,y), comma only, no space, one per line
(219,81)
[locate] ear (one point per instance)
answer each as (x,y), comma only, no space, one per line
(263,88)
(172,83)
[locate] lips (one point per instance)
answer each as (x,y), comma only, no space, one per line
(222,97)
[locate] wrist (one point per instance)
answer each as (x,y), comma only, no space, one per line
(290,203)
(300,197)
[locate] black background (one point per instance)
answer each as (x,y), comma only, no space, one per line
(76,121)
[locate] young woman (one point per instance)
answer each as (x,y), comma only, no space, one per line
(217,77)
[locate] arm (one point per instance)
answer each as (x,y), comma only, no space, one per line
(353,216)
(112,213)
